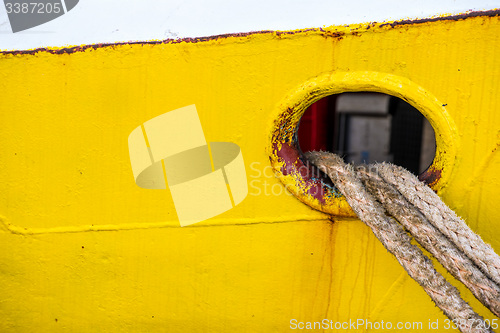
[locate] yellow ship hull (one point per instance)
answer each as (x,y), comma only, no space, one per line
(84,249)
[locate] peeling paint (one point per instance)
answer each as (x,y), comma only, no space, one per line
(487,13)
(325,31)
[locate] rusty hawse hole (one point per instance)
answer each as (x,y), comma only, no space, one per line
(349,124)
(360,127)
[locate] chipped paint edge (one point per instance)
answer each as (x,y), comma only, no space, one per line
(332,31)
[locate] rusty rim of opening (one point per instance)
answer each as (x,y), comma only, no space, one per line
(310,185)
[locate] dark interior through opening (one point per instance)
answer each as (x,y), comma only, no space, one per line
(365,127)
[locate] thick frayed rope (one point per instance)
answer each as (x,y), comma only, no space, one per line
(445,251)
(443,218)
(394,237)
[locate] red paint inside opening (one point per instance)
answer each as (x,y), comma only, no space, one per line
(316,126)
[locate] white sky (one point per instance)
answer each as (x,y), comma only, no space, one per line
(104,21)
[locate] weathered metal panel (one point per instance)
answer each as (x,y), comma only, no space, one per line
(84,249)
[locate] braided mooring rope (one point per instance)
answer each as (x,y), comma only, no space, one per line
(443,218)
(361,186)
(445,251)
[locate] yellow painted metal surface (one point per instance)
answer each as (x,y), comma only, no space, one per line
(84,249)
